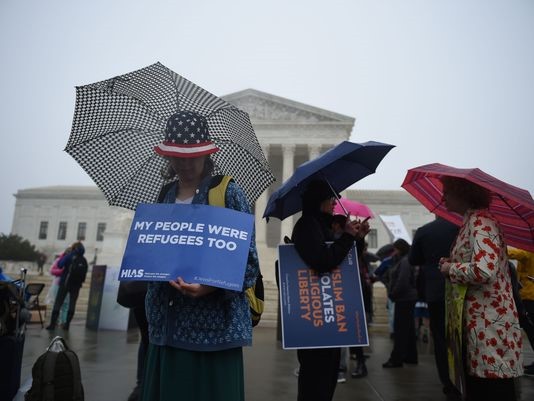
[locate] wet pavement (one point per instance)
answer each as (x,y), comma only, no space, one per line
(108,361)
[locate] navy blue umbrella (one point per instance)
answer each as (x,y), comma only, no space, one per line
(341,166)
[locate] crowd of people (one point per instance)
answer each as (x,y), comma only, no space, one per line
(193,334)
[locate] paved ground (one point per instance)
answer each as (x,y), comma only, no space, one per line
(108,363)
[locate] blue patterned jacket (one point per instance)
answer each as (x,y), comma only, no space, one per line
(220,320)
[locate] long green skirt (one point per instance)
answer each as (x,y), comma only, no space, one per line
(173,374)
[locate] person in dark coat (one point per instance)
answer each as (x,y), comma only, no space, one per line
(319,367)
(431,242)
(403,292)
(69,283)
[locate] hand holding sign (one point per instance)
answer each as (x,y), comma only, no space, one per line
(192,290)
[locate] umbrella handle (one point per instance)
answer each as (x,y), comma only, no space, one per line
(337,197)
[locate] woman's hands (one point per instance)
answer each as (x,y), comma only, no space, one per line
(445,266)
(357,228)
(191,290)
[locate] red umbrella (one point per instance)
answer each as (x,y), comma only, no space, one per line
(513,207)
(352,207)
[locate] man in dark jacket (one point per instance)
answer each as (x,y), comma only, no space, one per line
(74,267)
(431,242)
(319,367)
(403,292)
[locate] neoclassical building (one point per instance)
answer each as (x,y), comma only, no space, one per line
(289,132)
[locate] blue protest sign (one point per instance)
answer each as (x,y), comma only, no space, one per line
(202,244)
(320,311)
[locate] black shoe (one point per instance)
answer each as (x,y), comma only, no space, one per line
(51,327)
(411,361)
(452,393)
(359,371)
(136,394)
(65,326)
(391,364)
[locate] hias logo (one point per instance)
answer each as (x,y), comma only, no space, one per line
(135,273)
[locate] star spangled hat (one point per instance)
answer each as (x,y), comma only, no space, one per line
(186,135)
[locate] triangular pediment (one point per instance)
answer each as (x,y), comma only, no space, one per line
(264,107)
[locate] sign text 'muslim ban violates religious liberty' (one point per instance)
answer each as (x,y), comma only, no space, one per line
(320,310)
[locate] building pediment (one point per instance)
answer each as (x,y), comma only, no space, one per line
(266,108)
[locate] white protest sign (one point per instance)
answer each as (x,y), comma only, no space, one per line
(396,227)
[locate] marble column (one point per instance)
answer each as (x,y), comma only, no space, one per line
(288,167)
(261,203)
(314,151)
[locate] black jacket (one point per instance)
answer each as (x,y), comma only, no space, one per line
(402,286)
(431,242)
(310,233)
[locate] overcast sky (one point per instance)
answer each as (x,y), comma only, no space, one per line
(446,81)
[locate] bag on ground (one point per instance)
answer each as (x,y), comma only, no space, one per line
(56,375)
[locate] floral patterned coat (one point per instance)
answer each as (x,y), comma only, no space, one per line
(491,327)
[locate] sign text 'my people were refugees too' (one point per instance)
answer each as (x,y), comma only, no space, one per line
(202,244)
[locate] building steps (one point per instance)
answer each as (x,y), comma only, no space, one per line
(269,317)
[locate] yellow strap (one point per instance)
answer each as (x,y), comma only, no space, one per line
(256,304)
(217,194)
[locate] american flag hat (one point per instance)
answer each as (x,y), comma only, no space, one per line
(186,135)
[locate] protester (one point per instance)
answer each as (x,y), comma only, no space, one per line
(132,295)
(525,276)
(3,276)
(319,367)
(382,274)
(360,369)
(403,292)
(430,243)
(338,228)
(74,266)
(41,259)
(491,335)
(56,272)
(196,331)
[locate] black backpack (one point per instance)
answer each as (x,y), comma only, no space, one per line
(56,375)
(255,296)
(77,272)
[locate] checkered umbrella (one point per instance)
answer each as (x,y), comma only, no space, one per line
(117,123)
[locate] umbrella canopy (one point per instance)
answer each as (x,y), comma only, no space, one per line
(117,123)
(341,166)
(513,207)
(353,208)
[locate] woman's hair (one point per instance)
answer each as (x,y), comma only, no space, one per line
(168,173)
(474,195)
(314,194)
(402,246)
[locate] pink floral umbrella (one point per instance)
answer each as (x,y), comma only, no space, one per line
(353,208)
(513,207)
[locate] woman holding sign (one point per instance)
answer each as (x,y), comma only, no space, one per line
(196,331)
(319,367)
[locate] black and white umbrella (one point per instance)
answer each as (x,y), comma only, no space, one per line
(117,123)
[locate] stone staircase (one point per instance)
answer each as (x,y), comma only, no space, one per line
(81,305)
(269,317)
